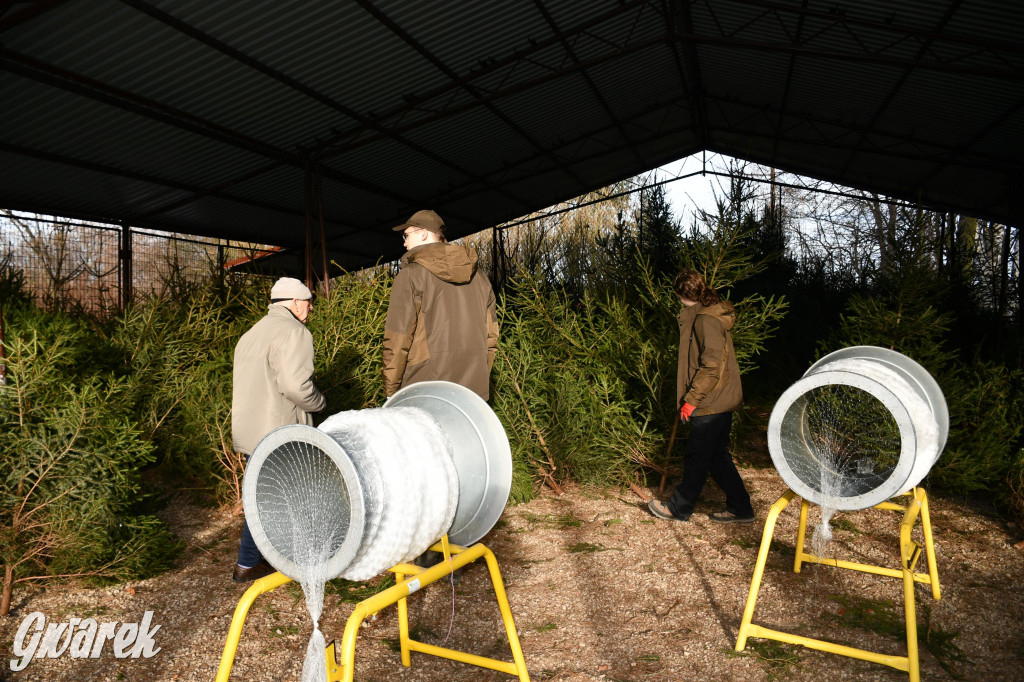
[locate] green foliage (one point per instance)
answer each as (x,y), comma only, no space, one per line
(983,451)
(72,458)
(779,658)
(585,378)
(351,592)
(176,356)
(348,329)
(724,248)
(579,384)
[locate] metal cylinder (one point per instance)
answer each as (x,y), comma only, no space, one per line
(372,488)
(862,425)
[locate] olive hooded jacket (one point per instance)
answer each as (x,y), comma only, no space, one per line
(273,379)
(708,376)
(441,322)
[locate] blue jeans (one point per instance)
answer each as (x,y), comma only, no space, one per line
(248,554)
(707,452)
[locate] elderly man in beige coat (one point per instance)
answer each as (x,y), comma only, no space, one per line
(273,386)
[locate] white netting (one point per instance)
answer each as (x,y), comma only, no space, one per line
(862,425)
(410,485)
(926,430)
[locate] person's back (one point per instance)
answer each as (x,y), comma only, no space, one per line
(441,322)
(272,375)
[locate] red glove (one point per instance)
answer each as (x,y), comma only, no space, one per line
(686,411)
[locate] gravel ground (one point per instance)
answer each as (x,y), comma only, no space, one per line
(599,591)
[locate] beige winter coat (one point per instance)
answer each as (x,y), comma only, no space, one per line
(441,322)
(708,376)
(273,379)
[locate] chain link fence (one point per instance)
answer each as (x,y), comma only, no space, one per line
(96,268)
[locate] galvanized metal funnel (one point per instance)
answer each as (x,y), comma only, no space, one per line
(372,488)
(862,425)
(480,450)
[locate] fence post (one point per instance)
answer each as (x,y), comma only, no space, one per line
(220,264)
(3,351)
(124,257)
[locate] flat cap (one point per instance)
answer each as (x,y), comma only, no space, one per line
(289,287)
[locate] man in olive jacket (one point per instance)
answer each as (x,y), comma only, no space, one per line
(272,387)
(441,322)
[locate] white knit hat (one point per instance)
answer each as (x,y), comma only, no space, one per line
(287,288)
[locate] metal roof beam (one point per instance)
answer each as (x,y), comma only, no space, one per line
(1012,74)
(831,144)
(789,81)
(888,26)
(959,149)
(133,175)
(980,163)
(257,65)
(671,15)
(49,74)
(685,15)
(513,89)
(631,49)
(457,192)
(388,23)
(414,102)
(898,85)
(26,14)
(553,25)
(78,84)
(951,150)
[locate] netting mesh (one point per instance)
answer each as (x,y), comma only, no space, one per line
(303,503)
(852,442)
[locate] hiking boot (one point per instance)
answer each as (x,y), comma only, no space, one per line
(729,517)
(244,575)
(661,510)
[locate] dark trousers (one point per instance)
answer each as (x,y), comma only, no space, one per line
(248,554)
(707,452)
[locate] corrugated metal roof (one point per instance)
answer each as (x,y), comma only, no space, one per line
(201,116)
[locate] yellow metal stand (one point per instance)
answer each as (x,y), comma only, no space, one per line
(910,552)
(455,557)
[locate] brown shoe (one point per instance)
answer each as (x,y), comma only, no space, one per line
(244,575)
(729,517)
(661,510)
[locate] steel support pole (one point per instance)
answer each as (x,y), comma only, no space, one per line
(125,265)
(307,259)
(325,278)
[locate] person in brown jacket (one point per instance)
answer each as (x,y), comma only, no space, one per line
(708,390)
(272,386)
(441,322)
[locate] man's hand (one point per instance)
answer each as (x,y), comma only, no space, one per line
(686,411)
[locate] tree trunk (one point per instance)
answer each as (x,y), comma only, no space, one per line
(1004,273)
(1020,280)
(5,601)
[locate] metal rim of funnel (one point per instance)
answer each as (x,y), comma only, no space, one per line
(916,375)
(894,484)
(350,546)
(485,471)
